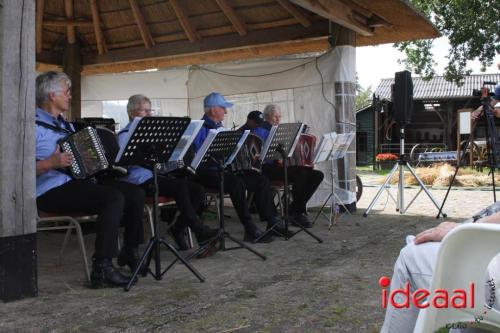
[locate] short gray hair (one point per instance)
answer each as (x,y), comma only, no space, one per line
(49,82)
(134,102)
(270,109)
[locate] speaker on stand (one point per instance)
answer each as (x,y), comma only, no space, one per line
(402,98)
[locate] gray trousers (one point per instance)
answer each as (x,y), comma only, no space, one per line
(415,265)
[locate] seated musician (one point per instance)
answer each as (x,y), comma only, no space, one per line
(56,192)
(254,120)
(237,184)
(189,196)
(304,180)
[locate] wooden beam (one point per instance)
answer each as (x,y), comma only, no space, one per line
(99,37)
(68,23)
(40,8)
(141,24)
(336,11)
(251,52)
(231,14)
(72,66)
(294,32)
(186,24)
(70,29)
(295,12)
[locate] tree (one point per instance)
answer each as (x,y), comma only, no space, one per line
(363,97)
(472,28)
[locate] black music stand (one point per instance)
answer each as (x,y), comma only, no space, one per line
(281,146)
(151,141)
(223,146)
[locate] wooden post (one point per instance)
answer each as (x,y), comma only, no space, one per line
(72,65)
(344,91)
(18,277)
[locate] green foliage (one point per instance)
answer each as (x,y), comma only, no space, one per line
(472,28)
(363,97)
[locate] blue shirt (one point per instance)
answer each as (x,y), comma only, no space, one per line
(263,131)
(46,144)
(203,133)
(136,174)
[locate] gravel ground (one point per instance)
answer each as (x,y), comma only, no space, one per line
(303,286)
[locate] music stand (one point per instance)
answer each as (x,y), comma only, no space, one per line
(151,140)
(220,152)
(281,145)
(332,147)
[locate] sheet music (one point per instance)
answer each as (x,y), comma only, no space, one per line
(341,145)
(186,140)
(238,147)
(130,132)
(267,144)
(325,147)
(294,144)
(204,147)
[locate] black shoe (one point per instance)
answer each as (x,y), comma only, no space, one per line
(130,257)
(179,236)
(255,236)
(279,230)
(105,275)
(301,220)
(206,235)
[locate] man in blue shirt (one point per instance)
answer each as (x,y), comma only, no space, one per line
(189,196)
(304,180)
(57,192)
(236,185)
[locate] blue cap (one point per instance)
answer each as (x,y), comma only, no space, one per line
(216,99)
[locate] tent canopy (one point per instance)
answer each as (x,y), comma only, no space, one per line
(126,35)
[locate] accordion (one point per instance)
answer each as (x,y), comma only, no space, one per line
(87,151)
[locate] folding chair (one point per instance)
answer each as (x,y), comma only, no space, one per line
(68,222)
(463,257)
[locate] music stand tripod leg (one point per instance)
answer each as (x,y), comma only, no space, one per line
(381,189)
(224,234)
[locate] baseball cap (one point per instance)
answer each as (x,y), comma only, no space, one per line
(256,116)
(216,99)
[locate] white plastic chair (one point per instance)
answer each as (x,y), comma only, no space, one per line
(463,257)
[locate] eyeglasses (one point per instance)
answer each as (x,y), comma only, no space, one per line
(148,111)
(66,92)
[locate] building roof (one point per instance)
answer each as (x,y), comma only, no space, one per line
(438,87)
(124,35)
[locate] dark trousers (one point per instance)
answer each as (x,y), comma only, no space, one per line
(304,180)
(236,186)
(133,211)
(189,198)
(115,203)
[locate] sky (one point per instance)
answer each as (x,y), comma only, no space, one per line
(374,63)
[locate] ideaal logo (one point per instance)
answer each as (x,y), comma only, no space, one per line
(441,298)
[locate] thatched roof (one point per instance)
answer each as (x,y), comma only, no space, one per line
(137,34)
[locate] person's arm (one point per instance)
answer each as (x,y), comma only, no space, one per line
(55,161)
(476,113)
(437,234)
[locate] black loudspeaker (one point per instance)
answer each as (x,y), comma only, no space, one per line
(403,97)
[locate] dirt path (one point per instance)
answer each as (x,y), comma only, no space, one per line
(304,286)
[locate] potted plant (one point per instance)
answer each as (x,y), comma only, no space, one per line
(385,160)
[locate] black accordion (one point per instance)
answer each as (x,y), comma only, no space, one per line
(88,153)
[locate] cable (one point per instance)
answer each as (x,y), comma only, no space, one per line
(265,74)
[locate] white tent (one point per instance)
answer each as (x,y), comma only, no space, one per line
(317,90)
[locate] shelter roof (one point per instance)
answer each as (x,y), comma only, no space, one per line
(140,34)
(438,87)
